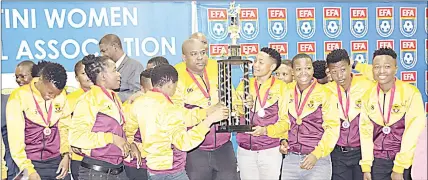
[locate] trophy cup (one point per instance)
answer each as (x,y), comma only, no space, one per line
(233,124)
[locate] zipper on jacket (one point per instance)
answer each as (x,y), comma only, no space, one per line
(43,140)
(383,112)
(348,129)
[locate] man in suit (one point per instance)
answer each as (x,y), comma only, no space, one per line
(129,69)
(12,169)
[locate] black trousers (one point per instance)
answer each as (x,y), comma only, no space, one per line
(382,170)
(47,168)
(345,165)
(136,174)
(75,165)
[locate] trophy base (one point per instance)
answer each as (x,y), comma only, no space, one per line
(235,128)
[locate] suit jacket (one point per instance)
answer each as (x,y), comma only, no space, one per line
(130,71)
(13,169)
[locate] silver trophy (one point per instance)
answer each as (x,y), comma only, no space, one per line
(233,124)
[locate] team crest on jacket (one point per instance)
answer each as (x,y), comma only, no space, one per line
(408,53)
(408,21)
(360,51)
(358,104)
(359,22)
(396,108)
(332,21)
(385,21)
(305,22)
(277,22)
(217,23)
(249,18)
(57,108)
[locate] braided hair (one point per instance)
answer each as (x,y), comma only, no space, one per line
(94,65)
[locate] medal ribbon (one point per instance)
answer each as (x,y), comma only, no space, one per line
(111,97)
(207,92)
(39,110)
(262,104)
(348,99)
(166,96)
(391,100)
(299,109)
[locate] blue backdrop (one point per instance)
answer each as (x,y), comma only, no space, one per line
(30,30)
(317,28)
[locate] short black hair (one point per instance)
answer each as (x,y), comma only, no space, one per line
(146,73)
(158,60)
(26,63)
(37,68)
(163,74)
(385,51)
(94,65)
(319,69)
(300,56)
(273,53)
(55,74)
(77,66)
(338,55)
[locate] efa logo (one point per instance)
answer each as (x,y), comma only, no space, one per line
(359,22)
(385,21)
(219,51)
(409,77)
(387,43)
(332,21)
(408,21)
(305,22)
(408,53)
(277,22)
(426,51)
(330,46)
(249,18)
(249,50)
(426,20)
(360,51)
(281,47)
(217,23)
(426,82)
(308,48)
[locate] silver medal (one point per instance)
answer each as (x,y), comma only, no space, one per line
(386,130)
(346,124)
(261,112)
(47,131)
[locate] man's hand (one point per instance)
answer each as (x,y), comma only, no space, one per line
(367,176)
(248,102)
(35,176)
(220,114)
(397,176)
(214,108)
(283,148)
(63,167)
(135,153)
(122,144)
(258,131)
(309,162)
(76,150)
(135,96)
